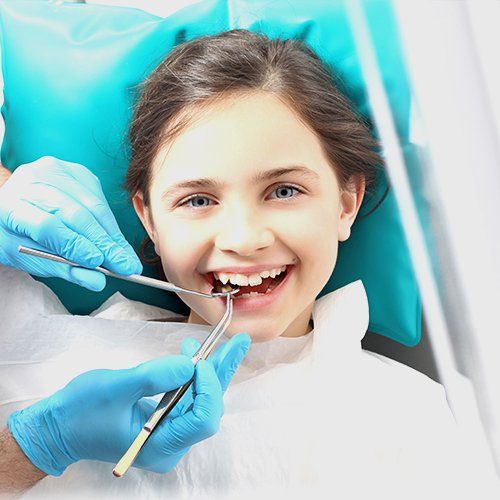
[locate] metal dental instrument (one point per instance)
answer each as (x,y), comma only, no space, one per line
(135,278)
(171,398)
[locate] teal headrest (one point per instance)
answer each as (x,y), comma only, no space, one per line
(71,73)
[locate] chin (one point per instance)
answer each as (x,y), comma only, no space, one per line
(255,336)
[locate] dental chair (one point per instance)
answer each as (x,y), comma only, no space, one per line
(70,81)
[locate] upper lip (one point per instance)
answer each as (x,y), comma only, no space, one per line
(246,270)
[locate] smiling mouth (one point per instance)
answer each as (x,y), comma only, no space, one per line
(267,285)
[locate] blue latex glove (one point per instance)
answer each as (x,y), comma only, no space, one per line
(99,413)
(59,207)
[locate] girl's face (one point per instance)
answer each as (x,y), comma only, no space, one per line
(265,197)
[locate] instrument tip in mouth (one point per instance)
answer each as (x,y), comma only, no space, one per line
(225,294)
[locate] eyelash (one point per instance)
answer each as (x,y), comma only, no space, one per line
(183,203)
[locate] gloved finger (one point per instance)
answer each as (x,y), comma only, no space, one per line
(101,210)
(80,219)
(93,280)
(51,233)
(184,404)
(228,357)
(79,182)
(202,421)
(10,256)
(189,346)
(153,377)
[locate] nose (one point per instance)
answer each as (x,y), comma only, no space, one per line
(242,231)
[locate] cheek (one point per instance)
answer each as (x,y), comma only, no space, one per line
(177,249)
(317,245)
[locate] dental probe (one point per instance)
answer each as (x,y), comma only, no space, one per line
(170,398)
(135,278)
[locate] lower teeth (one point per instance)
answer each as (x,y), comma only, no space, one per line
(228,288)
(251,294)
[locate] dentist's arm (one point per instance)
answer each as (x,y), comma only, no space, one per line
(100,412)
(5,173)
(59,207)
(17,473)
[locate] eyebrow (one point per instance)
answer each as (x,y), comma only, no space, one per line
(260,177)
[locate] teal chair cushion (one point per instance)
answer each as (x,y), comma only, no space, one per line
(71,73)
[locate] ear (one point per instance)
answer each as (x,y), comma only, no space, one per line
(144,214)
(350,202)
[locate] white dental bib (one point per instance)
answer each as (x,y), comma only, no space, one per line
(314,415)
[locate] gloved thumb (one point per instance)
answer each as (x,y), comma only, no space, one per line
(226,358)
(154,377)
(229,357)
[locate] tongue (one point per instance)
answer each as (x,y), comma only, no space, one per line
(262,288)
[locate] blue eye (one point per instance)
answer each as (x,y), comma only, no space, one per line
(196,197)
(286,187)
(282,188)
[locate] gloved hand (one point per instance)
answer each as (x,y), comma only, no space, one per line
(99,413)
(59,207)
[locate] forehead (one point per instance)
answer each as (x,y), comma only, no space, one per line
(237,136)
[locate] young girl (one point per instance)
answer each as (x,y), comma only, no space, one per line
(247,168)
(248,165)
(287,163)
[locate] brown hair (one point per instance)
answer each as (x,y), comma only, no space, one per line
(199,72)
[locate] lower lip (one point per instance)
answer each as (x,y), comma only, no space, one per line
(258,301)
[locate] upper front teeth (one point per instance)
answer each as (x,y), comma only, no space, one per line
(252,279)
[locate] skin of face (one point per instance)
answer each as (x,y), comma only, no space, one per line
(246,223)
